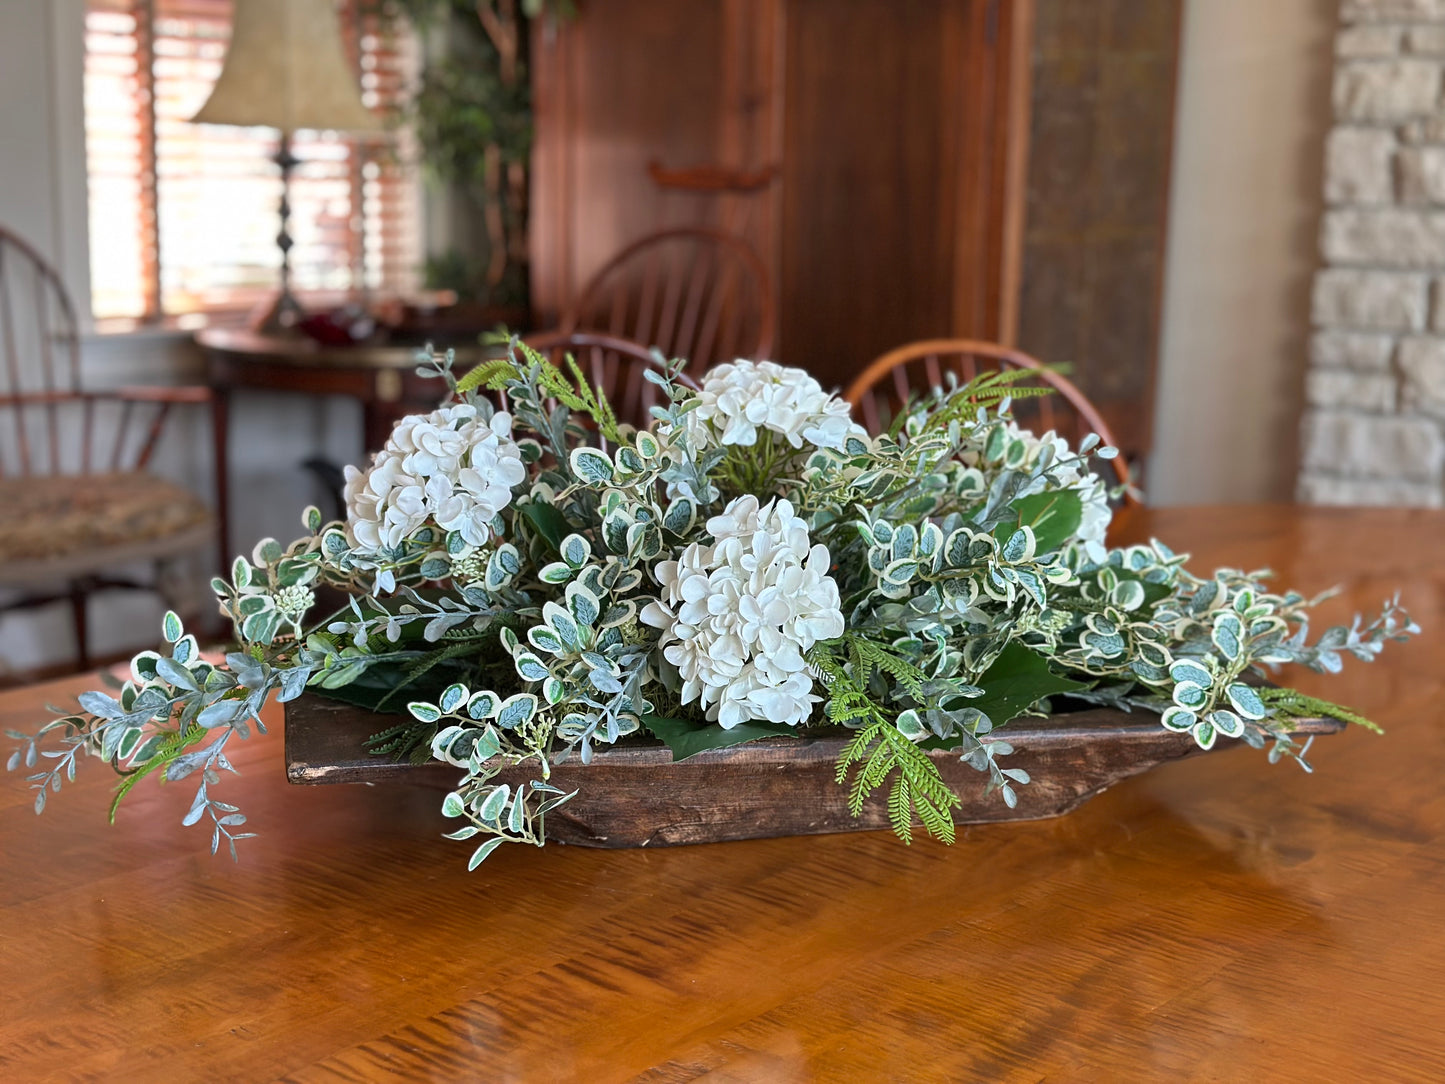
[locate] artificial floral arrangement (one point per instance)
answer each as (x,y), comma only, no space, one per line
(538,581)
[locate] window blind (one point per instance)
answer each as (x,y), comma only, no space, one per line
(183,217)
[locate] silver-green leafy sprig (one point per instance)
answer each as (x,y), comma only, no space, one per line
(1190,643)
(1248,629)
(484,734)
(272,593)
(174,717)
(589,672)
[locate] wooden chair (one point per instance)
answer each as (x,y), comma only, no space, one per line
(615,365)
(698,294)
(882,388)
(76,498)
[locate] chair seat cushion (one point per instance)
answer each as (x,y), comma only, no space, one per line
(60,516)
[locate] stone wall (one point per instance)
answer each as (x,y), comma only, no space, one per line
(1374,427)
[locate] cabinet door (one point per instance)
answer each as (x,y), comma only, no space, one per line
(631,87)
(894,130)
(901,176)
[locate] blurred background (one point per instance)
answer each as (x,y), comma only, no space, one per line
(1221,215)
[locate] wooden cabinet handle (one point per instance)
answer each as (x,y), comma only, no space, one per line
(712,178)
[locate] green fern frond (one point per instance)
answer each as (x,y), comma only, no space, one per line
(868,655)
(492,375)
(1296,705)
(900,810)
(171,747)
(410,740)
(878,752)
(988,389)
(422,666)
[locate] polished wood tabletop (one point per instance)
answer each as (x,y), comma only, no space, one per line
(1216,919)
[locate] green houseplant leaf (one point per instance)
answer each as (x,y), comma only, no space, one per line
(687,739)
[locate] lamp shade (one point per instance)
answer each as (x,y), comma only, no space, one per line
(286,69)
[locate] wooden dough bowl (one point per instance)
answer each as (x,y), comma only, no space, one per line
(636,796)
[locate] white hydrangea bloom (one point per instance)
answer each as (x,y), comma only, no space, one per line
(740,398)
(739,615)
(1093,493)
(449,466)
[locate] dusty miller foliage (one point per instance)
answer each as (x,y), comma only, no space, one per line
(968,595)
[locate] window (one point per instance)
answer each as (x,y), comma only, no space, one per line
(201,236)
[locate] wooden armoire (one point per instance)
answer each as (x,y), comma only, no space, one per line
(907,169)
(872,151)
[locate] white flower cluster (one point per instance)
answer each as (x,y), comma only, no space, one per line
(738,399)
(738,616)
(449,466)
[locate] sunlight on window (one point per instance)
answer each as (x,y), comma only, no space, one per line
(203,238)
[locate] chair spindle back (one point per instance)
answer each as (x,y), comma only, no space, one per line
(882,389)
(48,425)
(698,294)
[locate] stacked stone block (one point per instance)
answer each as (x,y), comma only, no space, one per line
(1374,426)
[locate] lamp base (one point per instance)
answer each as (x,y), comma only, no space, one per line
(281,316)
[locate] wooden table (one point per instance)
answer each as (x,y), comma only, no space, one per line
(1217,919)
(382,377)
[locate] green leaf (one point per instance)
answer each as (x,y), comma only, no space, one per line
(1227,632)
(575,550)
(544,639)
(452,697)
(1021,546)
(1189,670)
(483,705)
(426,713)
(680,516)
(492,374)
(1227,723)
(516,710)
(530,667)
(1178,719)
(1017,679)
(480,854)
(584,605)
(647,445)
(994,447)
(1053,517)
(171,627)
(1188,694)
(561,622)
(550,523)
(435,568)
(591,465)
(687,739)
(556,572)
(1246,701)
(494,803)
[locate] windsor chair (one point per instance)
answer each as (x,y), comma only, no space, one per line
(78,502)
(614,365)
(693,293)
(878,393)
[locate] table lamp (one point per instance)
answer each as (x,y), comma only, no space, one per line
(286,69)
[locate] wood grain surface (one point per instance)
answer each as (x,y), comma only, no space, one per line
(1215,919)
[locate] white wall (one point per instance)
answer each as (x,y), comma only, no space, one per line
(1253,108)
(42,197)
